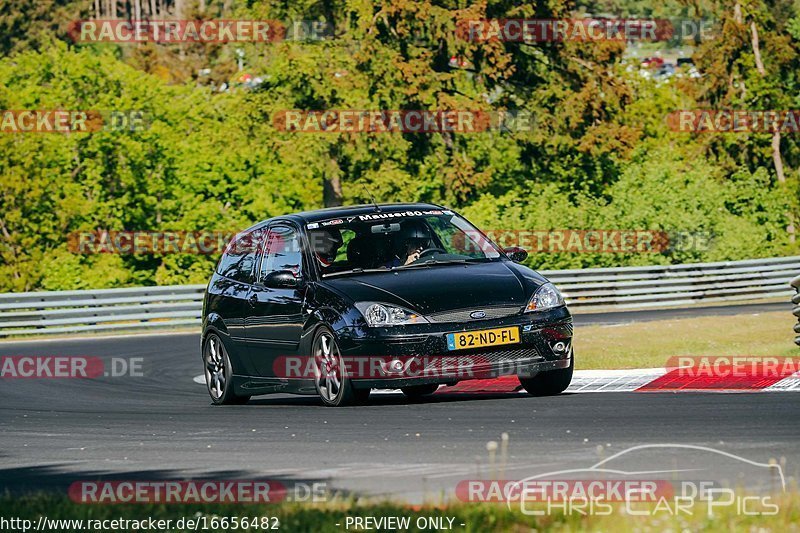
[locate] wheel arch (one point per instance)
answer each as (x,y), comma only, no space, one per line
(213,323)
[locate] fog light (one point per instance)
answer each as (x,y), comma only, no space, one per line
(559,347)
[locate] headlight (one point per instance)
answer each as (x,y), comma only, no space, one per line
(378,314)
(545,297)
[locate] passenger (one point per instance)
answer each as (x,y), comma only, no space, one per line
(326,244)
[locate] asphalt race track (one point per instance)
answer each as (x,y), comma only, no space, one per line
(162,426)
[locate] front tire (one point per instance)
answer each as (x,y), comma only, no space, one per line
(219,373)
(333,385)
(551,382)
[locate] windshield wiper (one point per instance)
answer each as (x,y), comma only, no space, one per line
(429,262)
(355,271)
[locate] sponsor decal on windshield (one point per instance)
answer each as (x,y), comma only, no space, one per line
(380,216)
(399,214)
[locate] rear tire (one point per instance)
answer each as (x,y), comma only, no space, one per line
(416,392)
(330,374)
(219,373)
(549,383)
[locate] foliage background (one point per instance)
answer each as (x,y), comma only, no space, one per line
(600,156)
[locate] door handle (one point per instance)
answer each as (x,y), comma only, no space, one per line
(253,300)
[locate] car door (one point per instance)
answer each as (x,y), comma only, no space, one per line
(229,290)
(274,311)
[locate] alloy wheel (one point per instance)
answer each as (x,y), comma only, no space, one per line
(215,367)
(327,367)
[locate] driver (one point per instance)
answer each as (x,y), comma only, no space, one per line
(414,238)
(326,244)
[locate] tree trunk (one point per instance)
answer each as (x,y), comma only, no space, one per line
(776,154)
(777,160)
(757,49)
(332,191)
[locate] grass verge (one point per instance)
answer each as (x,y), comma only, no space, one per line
(650,344)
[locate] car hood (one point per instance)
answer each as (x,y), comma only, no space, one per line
(443,287)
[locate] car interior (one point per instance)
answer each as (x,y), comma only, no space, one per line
(370,246)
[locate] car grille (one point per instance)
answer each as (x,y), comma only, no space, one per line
(462,315)
(467,365)
(504,356)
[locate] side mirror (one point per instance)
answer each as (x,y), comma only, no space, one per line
(282,279)
(516,254)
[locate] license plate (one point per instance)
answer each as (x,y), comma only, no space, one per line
(482,337)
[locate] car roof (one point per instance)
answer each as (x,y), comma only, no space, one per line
(328,213)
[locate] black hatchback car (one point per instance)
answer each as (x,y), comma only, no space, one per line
(339,301)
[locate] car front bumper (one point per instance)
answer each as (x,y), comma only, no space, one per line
(418,354)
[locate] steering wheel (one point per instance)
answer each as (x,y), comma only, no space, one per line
(432,249)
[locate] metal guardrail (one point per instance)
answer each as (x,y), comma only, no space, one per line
(676,285)
(60,312)
(49,312)
(796,311)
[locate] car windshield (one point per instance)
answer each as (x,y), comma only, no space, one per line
(396,241)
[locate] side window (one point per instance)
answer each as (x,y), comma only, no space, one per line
(283,252)
(239,258)
(458,237)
